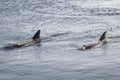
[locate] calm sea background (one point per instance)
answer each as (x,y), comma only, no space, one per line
(69,24)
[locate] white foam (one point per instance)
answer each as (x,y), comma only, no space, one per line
(99,3)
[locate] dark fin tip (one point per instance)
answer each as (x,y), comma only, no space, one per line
(103,36)
(37,35)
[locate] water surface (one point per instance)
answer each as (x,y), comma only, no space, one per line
(69,24)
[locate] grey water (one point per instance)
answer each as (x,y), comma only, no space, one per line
(69,24)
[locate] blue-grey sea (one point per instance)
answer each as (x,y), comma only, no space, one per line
(68,24)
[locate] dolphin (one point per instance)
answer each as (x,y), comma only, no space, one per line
(102,40)
(35,40)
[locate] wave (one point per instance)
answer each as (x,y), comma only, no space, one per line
(59,7)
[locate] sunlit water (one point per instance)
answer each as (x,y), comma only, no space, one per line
(69,24)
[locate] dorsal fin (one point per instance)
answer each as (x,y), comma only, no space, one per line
(103,36)
(37,35)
